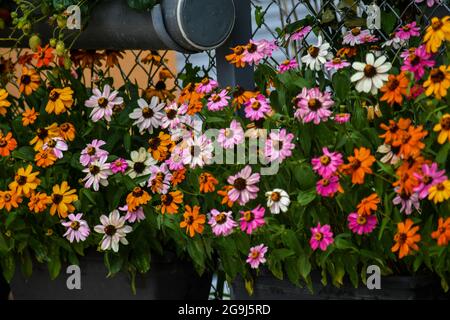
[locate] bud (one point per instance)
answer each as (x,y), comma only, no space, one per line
(26,28)
(61,21)
(67,63)
(53,42)
(60,48)
(13,14)
(34,42)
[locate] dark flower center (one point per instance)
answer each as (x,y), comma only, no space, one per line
(427,180)
(42,133)
(102,102)
(252,48)
(53,95)
(171,114)
(402,237)
(414,59)
(137,192)
(256,105)
(393,84)
(314,104)
(356,31)
(189,220)
(57,198)
(154,143)
(240,184)
(275,196)
(65,127)
(51,143)
(110,230)
(445,123)
(221,218)
(216,98)
(313,51)
(437,76)
(440,187)
(75,225)
(147,113)
(139,167)
(3,142)
(325,182)
(370,71)
(94,169)
(90,150)
(436,25)
(26,79)
(166,199)
(160,85)
(21,180)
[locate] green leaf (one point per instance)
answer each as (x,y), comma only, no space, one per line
(442,155)
(259,16)
(54,263)
(306,197)
(24,153)
(304,266)
(141,4)
(9,266)
(341,85)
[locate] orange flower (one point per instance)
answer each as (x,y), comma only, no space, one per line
(67,131)
(44,56)
(112,57)
(409,141)
(235,58)
(346,52)
(178,176)
(43,135)
(4,103)
(192,98)
(9,199)
(29,81)
(241,96)
(45,158)
(395,89)
(368,204)
(7,144)
(170,202)
(160,146)
(359,165)
(137,198)
(224,194)
(406,238)
(394,129)
(442,234)
(193,221)
(207,182)
(29,116)
(62,199)
(39,202)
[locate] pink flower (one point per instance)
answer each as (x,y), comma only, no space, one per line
(287,65)
(407,31)
(252,219)
(173,115)
(255,51)
(430,3)
(160,179)
(301,33)
(206,86)
(355,36)
(361,224)
(175,162)
(416,60)
(408,202)
(222,223)
(336,64)
(77,228)
(327,164)
(132,216)
(313,105)
(119,165)
(321,237)
(231,136)
(342,118)
(257,107)
(57,145)
(327,187)
(430,176)
(244,186)
(256,256)
(218,101)
(279,145)
(102,103)
(93,152)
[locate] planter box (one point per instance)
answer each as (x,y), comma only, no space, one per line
(169,278)
(267,287)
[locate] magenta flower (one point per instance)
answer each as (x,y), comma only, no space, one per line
(119,165)
(255,51)
(416,60)
(133,216)
(256,256)
(102,103)
(313,105)
(430,3)
(430,176)
(336,64)
(361,224)
(287,65)
(218,101)
(279,145)
(355,36)
(327,164)
(57,145)
(222,223)
(321,237)
(407,31)
(206,86)
(93,152)
(77,228)
(408,202)
(229,137)
(244,186)
(257,107)
(342,118)
(327,187)
(301,33)
(252,219)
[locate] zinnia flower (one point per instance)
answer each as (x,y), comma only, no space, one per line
(279,145)
(244,186)
(229,137)
(406,238)
(206,86)
(368,204)
(327,187)
(170,202)
(25,181)
(207,182)
(29,116)
(62,199)
(38,202)
(97,173)
(355,36)
(359,165)
(395,88)
(436,33)
(429,176)
(257,256)
(336,64)
(408,202)
(4,103)
(140,163)
(93,152)
(440,192)
(103,103)
(316,54)
(313,105)
(9,200)
(133,216)
(57,146)
(287,65)
(278,200)
(114,231)
(442,234)
(321,237)
(438,82)
(361,224)
(119,165)
(407,31)
(193,220)
(218,101)
(257,108)
(416,61)
(7,144)
(342,118)
(327,164)
(222,223)
(28,81)
(160,178)
(370,76)
(300,33)
(255,51)
(252,219)
(198,151)
(77,228)
(138,197)
(443,127)
(148,116)
(59,100)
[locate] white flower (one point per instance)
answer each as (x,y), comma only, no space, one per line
(148,116)
(389,155)
(114,231)
(198,151)
(140,163)
(97,173)
(317,55)
(277,200)
(102,103)
(370,76)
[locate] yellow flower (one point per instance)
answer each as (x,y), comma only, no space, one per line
(59,100)
(62,198)
(43,135)
(443,127)
(438,31)
(25,181)
(3,102)
(440,192)
(438,82)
